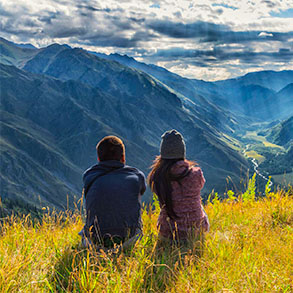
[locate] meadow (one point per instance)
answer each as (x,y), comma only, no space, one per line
(249,249)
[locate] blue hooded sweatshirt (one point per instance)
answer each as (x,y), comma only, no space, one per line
(113,199)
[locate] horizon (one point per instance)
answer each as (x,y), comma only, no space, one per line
(206,40)
(93,52)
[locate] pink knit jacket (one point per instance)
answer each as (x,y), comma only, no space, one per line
(186,204)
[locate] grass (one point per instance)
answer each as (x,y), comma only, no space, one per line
(232,142)
(272,145)
(255,155)
(249,249)
(252,135)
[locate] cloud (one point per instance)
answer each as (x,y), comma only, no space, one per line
(191,30)
(181,34)
(264,35)
(270,4)
(217,55)
(210,32)
(92,8)
(221,64)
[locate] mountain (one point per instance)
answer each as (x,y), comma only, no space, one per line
(254,101)
(12,54)
(56,125)
(282,133)
(201,94)
(280,160)
(58,101)
(32,166)
(256,95)
(252,97)
(279,164)
(26,46)
(285,96)
(273,80)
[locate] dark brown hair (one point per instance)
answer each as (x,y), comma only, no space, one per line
(110,148)
(160,177)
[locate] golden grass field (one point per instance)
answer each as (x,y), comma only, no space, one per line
(255,155)
(249,249)
(254,136)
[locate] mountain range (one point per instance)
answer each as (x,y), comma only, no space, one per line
(57,102)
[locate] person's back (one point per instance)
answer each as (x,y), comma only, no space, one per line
(177,183)
(112,194)
(186,202)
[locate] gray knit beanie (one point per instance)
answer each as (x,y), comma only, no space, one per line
(172,145)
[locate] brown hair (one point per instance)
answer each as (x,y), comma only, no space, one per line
(160,177)
(110,148)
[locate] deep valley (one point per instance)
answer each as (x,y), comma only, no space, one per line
(58,101)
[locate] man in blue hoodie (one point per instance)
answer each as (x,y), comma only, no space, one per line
(112,193)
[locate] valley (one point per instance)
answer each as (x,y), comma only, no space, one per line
(259,150)
(58,101)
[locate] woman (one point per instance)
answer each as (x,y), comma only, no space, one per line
(177,183)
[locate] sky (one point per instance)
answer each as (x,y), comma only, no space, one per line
(202,39)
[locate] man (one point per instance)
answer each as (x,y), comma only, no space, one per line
(112,193)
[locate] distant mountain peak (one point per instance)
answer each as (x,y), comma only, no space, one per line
(124,56)
(26,46)
(273,80)
(56,45)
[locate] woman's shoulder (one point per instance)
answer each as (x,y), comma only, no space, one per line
(196,171)
(196,175)
(179,167)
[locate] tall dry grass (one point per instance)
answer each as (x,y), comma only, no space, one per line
(248,249)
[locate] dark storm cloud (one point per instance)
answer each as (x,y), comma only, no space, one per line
(96,27)
(115,39)
(92,8)
(87,23)
(137,20)
(184,31)
(210,32)
(119,22)
(218,55)
(48,16)
(8,27)
(269,3)
(66,32)
(229,37)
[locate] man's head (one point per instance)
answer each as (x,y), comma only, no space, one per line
(111,148)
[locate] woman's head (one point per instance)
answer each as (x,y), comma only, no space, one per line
(172,145)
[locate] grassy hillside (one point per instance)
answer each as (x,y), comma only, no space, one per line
(249,248)
(50,128)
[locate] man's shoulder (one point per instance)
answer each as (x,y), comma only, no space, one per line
(141,177)
(134,170)
(91,173)
(92,169)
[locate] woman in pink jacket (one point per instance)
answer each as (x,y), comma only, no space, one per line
(177,183)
